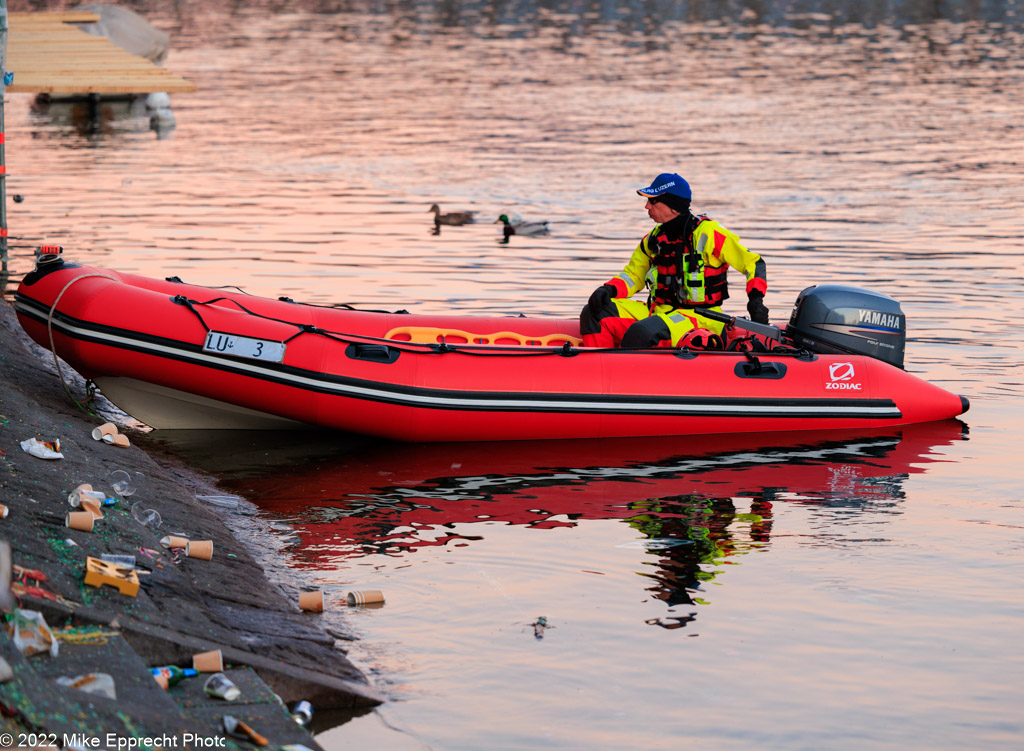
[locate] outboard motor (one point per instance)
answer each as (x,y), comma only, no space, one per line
(835,319)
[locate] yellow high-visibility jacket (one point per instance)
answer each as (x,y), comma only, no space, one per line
(721,249)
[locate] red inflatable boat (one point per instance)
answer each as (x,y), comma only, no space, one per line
(174,355)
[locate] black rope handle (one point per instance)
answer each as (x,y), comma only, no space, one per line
(182,300)
(443,347)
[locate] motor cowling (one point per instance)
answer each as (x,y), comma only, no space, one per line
(836,319)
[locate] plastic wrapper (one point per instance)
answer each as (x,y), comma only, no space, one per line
(92,683)
(42,449)
(30,634)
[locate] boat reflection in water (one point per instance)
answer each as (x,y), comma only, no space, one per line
(695,503)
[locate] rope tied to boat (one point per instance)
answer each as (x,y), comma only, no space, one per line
(306,328)
(346,338)
(182,300)
(443,347)
(303,328)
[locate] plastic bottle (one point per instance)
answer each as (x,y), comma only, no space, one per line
(79,494)
(172,674)
(302,713)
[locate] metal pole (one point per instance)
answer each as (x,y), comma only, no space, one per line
(3,157)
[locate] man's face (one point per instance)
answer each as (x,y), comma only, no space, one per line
(659,212)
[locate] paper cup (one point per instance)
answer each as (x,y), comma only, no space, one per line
(173,541)
(90,505)
(107,428)
(81,520)
(366,597)
(121,441)
(312,601)
(208,662)
(199,549)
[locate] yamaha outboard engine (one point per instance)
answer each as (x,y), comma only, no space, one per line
(835,319)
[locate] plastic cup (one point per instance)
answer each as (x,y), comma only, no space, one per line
(80,520)
(124,561)
(220,686)
(107,428)
(147,517)
(366,597)
(208,662)
(312,601)
(202,549)
(302,712)
(121,483)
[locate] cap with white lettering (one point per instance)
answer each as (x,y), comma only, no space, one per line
(667,183)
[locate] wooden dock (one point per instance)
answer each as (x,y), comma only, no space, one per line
(48,54)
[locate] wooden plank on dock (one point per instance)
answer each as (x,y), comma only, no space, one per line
(59,16)
(47,54)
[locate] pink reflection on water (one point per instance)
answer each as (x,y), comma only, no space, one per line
(885,158)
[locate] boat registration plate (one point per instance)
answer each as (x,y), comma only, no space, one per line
(244,346)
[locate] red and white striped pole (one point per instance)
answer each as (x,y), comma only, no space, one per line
(3,157)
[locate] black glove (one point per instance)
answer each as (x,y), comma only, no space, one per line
(755,306)
(600,297)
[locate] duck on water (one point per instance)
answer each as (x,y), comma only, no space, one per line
(514,224)
(451,218)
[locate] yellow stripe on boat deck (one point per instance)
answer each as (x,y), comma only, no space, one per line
(48,55)
(434,335)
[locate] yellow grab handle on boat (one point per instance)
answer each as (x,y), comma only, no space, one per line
(435,335)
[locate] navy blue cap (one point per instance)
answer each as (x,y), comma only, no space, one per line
(667,183)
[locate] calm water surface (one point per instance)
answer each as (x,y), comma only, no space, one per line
(793,591)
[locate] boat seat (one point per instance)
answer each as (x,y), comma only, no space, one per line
(436,335)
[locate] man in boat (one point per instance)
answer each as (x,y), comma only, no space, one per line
(683,262)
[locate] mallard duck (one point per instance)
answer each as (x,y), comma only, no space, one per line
(452,218)
(514,224)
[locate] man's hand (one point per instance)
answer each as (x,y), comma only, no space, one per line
(755,307)
(601,297)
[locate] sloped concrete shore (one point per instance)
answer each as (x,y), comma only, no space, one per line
(275,653)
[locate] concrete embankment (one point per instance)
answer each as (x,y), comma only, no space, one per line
(276,654)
